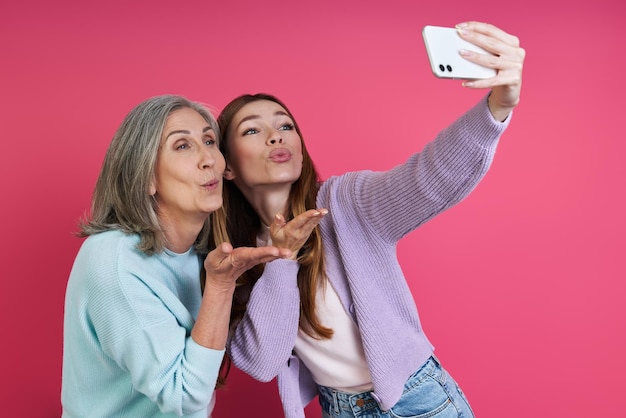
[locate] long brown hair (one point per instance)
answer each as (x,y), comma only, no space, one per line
(243,225)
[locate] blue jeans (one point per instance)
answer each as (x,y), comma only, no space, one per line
(429,393)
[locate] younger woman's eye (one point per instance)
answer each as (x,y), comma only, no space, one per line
(250,131)
(286,127)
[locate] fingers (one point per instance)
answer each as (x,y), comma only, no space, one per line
(225,264)
(301,225)
(219,255)
(309,218)
(507,58)
(279,222)
(225,258)
(220,259)
(295,233)
(247,257)
(487,35)
(504,47)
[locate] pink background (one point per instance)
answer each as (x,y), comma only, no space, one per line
(521,287)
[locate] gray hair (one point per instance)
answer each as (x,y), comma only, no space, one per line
(121,199)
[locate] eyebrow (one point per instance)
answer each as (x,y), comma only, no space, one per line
(251,117)
(183,131)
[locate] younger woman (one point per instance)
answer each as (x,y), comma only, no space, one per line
(339,320)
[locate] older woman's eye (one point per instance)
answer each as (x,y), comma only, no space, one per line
(210,140)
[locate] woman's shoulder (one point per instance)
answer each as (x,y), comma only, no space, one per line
(110,240)
(344,183)
(110,259)
(108,248)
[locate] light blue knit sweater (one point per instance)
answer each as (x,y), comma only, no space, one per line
(369,212)
(127,345)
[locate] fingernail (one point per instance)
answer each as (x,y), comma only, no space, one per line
(461,25)
(465,52)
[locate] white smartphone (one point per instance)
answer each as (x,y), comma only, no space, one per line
(443,46)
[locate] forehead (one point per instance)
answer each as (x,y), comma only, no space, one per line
(184,116)
(260,108)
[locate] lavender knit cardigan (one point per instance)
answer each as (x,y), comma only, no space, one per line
(369,212)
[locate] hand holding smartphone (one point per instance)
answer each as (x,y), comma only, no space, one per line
(443,46)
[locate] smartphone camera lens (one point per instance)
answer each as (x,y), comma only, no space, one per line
(441,67)
(449,67)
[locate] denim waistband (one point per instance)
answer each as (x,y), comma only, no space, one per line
(359,402)
(356,402)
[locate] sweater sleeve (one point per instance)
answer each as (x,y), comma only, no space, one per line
(143,327)
(262,342)
(395,202)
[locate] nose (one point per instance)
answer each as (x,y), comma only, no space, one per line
(207,159)
(275,138)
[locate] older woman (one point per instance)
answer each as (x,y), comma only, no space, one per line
(140,338)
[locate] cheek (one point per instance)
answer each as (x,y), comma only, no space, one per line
(242,156)
(220,163)
(298,151)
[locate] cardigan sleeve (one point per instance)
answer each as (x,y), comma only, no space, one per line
(395,202)
(262,342)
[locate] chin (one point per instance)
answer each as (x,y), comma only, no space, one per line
(213,206)
(288,177)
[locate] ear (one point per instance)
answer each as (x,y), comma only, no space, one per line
(152,188)
(229,174)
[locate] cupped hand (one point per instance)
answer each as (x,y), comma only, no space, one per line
(507,59)
(225,264)
(294,234)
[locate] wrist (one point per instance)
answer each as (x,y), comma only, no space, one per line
(498,111)
(219,288)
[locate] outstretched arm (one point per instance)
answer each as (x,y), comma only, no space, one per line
(448,168)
